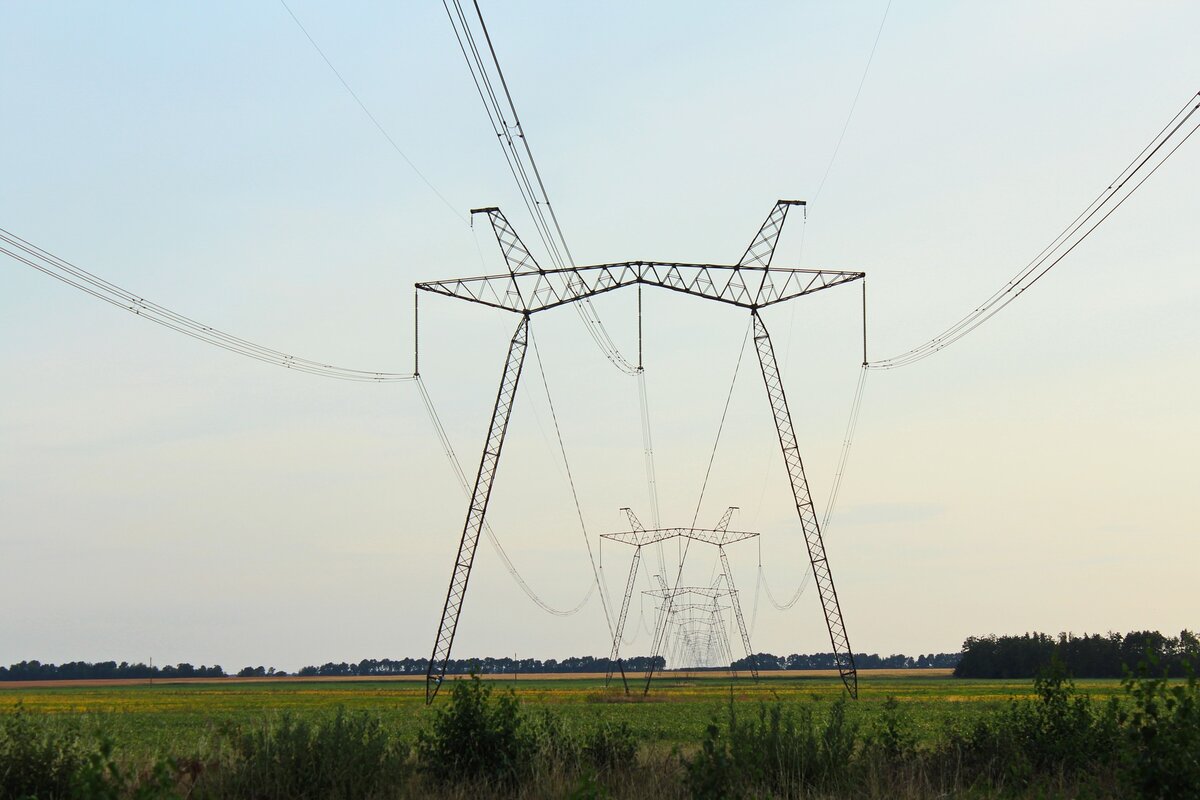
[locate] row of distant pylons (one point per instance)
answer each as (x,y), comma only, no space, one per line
(690,627)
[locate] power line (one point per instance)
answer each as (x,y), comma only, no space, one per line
(1141,168)
(367,111)
(854,103)
(834,492)
(847,442)
(60,269)
(720,428)
(604,602)
(506,125)
(460,475)
(657,643)
(549,231)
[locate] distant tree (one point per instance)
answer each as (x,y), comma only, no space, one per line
(1086,656)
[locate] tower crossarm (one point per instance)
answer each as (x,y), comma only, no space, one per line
(705,607)
(640,538)
(751,283)
(700,591)
(743,286)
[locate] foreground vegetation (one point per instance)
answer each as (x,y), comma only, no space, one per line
(906,738)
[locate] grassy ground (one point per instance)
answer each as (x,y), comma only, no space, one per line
(162,718)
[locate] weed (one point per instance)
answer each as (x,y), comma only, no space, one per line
(343,755)
(476,737)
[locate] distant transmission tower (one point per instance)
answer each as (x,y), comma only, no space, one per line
(527,289)
(692,633)
(639,537)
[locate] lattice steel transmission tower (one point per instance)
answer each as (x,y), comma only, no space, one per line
(639,537)
(527,289)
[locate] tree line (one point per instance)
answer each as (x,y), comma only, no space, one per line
(1108,655)
(769,661)
(480,666)
(109,670)
(103,670)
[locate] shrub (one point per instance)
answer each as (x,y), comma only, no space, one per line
(37,759)
(344,755)
(1060,732)
(48,758)
(610,747)
(476,737)
(778,752)
(100,777)
(1162,735)
(892,737)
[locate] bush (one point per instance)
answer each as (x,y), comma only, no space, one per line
(1061,732)
(48,758)
(779,753)
(37,759)
(1162,736)
(610,747)
(476,737)
(892,737)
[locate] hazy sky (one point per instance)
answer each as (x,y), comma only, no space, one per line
(161,498)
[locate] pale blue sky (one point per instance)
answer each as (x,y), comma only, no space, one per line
(162,499)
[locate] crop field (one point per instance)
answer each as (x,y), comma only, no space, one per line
(911,734)
(172,716)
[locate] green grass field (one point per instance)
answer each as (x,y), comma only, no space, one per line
(174,717)
(911,734)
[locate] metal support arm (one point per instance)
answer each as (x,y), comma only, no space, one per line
(477,510)
(804,507)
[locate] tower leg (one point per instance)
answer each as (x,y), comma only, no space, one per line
(616,646)
(659,641)
(804,507)
(661,624)
(737,611)
(477,510)
(722,636)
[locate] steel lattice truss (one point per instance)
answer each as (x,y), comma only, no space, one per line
(751,283)
(711,592)
(527,288)
(643,537)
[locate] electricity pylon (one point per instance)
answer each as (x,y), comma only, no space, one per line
(526,289)
(639,537)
